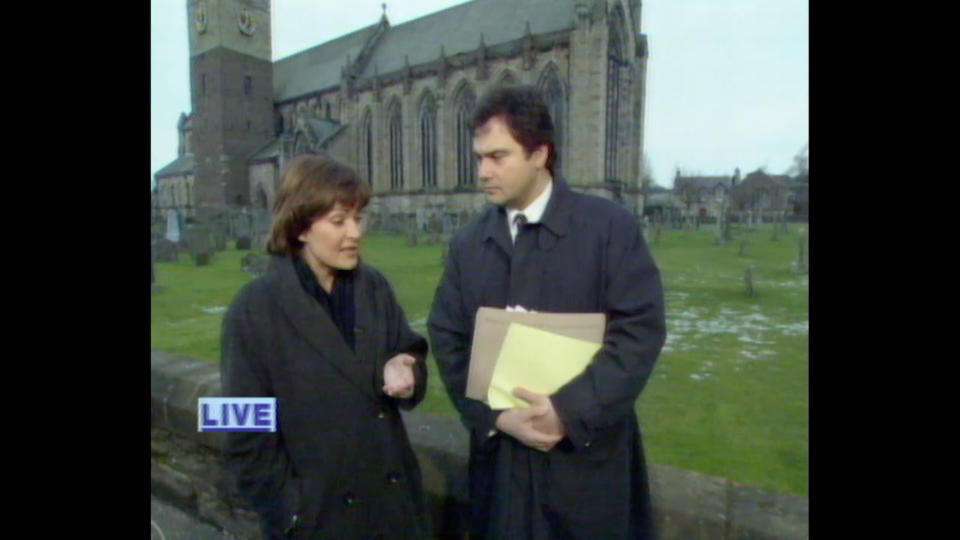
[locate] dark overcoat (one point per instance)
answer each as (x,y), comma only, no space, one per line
(586,255)
(340,460)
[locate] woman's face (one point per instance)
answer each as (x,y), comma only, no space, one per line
(333,240)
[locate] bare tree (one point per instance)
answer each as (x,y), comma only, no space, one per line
(801,163)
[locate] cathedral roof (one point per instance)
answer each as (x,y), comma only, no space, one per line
(179,166)
(320,130)
(458,30)
(320,67)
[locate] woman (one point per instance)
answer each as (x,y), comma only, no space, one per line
(322,332)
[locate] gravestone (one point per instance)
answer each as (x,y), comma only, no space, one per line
(197,239)
(420,219)
(243,243)
(165,251)
(413,238)
(154,286)
(254,264)
(801,265)
(174,226)
(219,241)
(436,223)
(199,244)
(748,280)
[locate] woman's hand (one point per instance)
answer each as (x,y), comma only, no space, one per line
(398,378)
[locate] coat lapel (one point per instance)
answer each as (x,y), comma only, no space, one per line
(314,325)
(363,326)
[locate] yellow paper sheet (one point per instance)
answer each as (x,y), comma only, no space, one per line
(537,360)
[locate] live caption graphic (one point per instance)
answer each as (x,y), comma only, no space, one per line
(237,414)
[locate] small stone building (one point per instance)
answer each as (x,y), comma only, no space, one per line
(762,197)
(703,196)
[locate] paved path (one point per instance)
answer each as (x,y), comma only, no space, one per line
(168,522)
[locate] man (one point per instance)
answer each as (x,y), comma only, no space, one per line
(571,465)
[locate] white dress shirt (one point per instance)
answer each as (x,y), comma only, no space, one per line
(533,211)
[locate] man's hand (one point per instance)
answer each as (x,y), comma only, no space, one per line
(398,378)
(538,426)
(548,422)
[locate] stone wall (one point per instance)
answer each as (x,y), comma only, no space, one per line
(186,470)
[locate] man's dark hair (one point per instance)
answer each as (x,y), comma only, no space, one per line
(524,111)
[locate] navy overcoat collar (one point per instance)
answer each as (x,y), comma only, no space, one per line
(556,219)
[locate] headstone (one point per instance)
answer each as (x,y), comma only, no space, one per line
(165,251)
(174,226)
(413,238)
(200,244)
(748,280)
(219,240)
(243,243)
(198,239)
(254,264)
(800,265)
(743,246)
(420,219)
(436,223)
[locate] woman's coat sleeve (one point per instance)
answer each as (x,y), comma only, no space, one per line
(264,474)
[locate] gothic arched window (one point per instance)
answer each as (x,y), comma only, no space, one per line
(556,100)
(395,123)
(463,107)
(300,144)
(616,65)
(428,140)
(366,146)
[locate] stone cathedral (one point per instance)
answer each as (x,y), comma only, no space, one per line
(394,102)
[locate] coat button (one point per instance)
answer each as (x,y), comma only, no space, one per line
(381,415)
(586,444)
(393,478)
(349,499)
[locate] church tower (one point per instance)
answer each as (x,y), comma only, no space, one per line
(231,83)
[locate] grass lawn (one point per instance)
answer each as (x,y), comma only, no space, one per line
(728,396)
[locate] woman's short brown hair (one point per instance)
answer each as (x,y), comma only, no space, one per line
(311,187)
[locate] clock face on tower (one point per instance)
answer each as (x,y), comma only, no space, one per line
(246,23)
(200,17)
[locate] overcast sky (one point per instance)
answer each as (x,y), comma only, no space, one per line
(727,80)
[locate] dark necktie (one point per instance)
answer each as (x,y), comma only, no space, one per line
(524,272)
(519,220)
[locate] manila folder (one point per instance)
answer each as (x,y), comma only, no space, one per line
(490,329)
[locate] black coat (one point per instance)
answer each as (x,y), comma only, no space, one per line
(586,255)
(340,459)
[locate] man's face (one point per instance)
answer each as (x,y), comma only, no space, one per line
(508,175)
